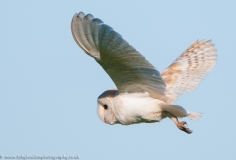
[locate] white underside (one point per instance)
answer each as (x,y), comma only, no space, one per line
(140,107)
(131,108)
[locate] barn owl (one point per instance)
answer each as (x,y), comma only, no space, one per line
(143,94)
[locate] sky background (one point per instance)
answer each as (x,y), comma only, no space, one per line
(49,86)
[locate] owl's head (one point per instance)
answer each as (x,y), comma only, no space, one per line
(106,108)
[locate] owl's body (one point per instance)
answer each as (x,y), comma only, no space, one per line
(143,94)
(136,108)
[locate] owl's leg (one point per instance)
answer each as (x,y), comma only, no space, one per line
(180,125)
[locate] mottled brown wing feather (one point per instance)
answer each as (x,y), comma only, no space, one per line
(188,70)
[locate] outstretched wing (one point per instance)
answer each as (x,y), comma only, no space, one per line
(187,71)
(128,69)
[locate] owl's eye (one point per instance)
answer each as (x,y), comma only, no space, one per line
(105,106)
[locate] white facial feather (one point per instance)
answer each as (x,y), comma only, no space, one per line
(106,107)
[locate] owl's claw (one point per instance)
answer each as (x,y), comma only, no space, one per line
(183,126)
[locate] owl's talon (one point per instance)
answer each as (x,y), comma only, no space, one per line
(183,126)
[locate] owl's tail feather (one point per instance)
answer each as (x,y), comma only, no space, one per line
(176,110)
(179,111)
(194,115)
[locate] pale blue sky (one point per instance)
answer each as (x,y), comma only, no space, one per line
(49,87)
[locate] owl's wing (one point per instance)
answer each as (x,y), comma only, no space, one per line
(128,69)
(187,71)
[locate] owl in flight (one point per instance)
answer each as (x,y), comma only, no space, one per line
(143,94)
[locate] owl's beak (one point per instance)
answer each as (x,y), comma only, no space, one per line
(105,121)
